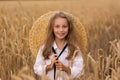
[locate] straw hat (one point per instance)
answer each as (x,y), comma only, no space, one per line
(37,33)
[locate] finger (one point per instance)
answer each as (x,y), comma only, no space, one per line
(59,68)
(55,55)
(57,61)
(54,60)
(58,64)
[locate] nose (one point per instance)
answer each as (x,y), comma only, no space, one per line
(61,28)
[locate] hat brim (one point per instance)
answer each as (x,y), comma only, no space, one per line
(37,33)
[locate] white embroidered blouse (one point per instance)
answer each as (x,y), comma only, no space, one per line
(76,68)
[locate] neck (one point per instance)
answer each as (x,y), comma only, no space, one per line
(60,43)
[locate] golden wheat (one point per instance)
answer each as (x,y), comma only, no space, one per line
(101,19)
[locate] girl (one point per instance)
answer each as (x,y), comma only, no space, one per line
(58,50)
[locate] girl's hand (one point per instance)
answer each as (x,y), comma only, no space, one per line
(62,67)
(53,59)
(50,66)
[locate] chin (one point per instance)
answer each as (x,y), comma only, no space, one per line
(62,38)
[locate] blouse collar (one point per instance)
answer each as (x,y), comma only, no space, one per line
(56,47)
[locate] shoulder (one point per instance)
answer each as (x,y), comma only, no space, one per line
(40,50)
(41,47)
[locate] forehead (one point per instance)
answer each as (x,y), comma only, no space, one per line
(60,20)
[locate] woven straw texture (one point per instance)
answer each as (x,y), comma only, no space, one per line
(37,33)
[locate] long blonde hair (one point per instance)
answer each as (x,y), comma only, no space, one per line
(71,36)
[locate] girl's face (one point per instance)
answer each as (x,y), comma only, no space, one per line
(60,28)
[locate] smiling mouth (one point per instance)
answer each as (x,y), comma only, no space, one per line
(61,34)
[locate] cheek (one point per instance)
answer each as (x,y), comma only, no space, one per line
(54,31)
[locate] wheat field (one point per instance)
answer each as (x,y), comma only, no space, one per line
(101,19)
